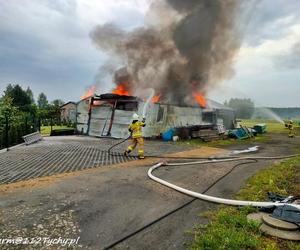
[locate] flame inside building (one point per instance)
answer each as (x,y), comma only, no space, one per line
(110,114)
(121,89)
(185,48)
(125,88)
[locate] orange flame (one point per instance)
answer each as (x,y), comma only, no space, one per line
(121,89)
(90,92)
(200,99)
(155,99)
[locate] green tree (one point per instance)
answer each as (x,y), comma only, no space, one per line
(244,107)
(54,109)
(30,94)
(7,110)
(42,101)
(58,102)
(18,96)
(8,115)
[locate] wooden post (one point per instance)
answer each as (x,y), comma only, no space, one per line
(91,103)
(112,118)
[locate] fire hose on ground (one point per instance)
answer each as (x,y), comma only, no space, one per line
(109,151)
(202,196)
(196,195)
(210,160)
(173,211)
(217,199)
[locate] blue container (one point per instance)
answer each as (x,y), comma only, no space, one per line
(260,128)
(168,135)
(238,133)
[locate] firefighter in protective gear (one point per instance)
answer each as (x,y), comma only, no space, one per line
(291,129)
(135,128)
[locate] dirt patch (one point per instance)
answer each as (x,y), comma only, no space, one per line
(201,152)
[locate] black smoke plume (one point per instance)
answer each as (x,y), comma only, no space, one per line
(186,46)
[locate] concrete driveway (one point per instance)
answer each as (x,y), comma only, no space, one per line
(103,205)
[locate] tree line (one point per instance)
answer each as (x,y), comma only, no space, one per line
(244,107)
(20,114)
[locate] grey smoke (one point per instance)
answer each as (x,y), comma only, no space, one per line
(185,46)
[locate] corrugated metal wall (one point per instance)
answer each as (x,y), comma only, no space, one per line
(155,118)
(100,120)
(122,119)
(82,116)
(228,117)
(159,118)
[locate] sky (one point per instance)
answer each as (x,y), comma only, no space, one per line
(45,44)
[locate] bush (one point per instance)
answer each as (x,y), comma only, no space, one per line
(20,126)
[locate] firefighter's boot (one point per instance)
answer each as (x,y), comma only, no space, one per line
(141,157)
(127,152)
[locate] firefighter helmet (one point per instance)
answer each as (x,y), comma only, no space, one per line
(135,116)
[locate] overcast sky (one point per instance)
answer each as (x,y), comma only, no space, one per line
(45,44)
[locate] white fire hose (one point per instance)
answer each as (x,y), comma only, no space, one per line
(212,198)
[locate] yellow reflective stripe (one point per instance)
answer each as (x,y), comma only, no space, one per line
(139,134)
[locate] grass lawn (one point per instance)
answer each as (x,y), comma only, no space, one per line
(229,141)
(272,125)
(228,227)
(45,130)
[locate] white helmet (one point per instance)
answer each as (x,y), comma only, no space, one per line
(135,116)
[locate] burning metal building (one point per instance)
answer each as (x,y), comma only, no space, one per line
(110,115)
(184,49)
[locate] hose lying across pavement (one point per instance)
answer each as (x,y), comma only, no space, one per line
(202,196)
(160,156)
(195,195)
(173,211)
(212,198)
(209,161)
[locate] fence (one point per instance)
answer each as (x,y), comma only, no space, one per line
(11,131)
